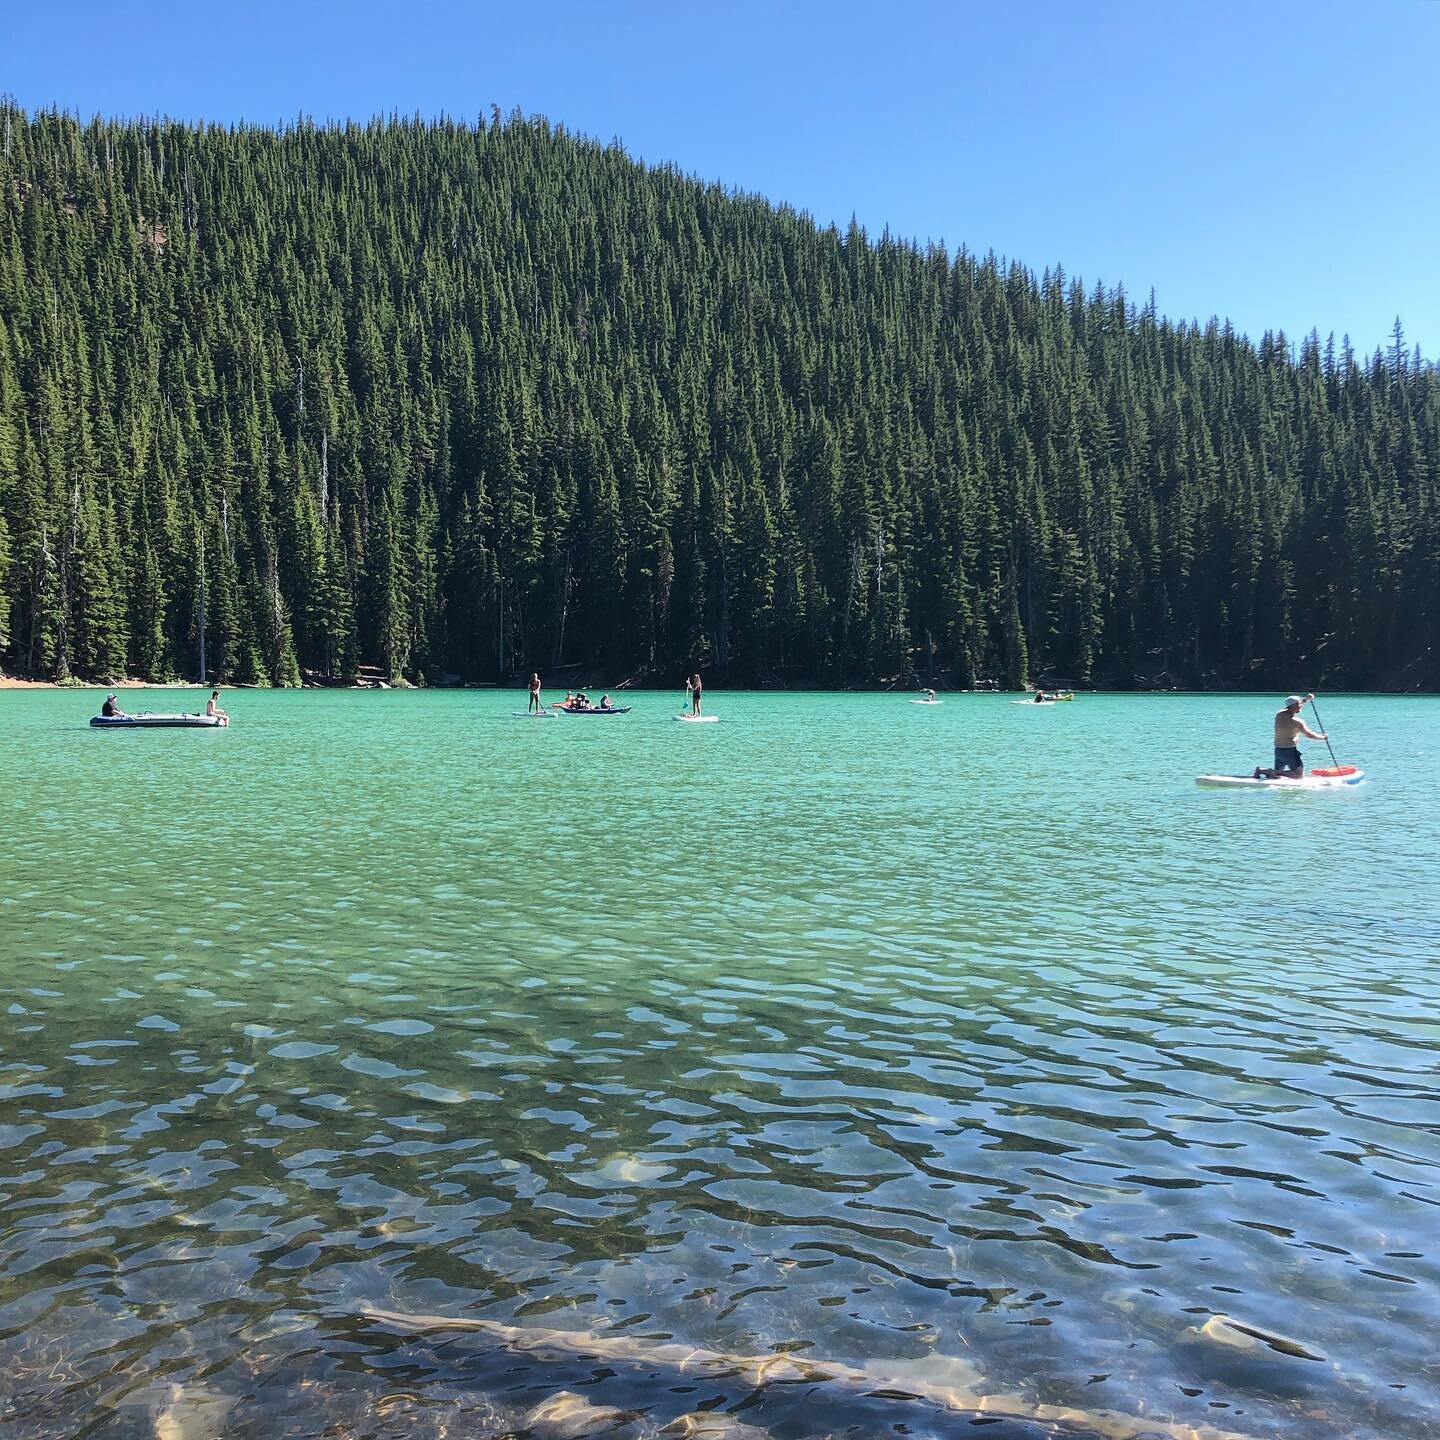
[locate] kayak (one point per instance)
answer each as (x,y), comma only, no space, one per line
(927,702)
(1034,704)
(147,721)
(698,719)
(1326,778)
(593,710)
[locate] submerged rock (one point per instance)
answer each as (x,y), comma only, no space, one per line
(1226,1330)
(567,1416)
(711,1425)
(192,1412)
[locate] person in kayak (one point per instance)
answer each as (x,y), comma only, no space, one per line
(111,711)
(604,702)
(696,689)
(213,710)
(1289,727)
(534,694)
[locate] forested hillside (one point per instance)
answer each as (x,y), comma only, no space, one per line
(468,401)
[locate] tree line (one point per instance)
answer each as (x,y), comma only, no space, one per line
(462,400)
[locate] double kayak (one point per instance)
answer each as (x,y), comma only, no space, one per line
(155,722)
(1334,777)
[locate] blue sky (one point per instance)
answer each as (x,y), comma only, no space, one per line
(1275,163)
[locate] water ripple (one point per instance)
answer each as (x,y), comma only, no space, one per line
(448,1077)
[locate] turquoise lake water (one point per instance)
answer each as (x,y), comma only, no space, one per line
(971,1057)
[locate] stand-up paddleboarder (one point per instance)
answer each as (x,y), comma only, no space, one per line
(1289,727)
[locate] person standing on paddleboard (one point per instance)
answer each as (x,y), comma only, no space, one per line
(1289,727)
(695,690)
(534,693)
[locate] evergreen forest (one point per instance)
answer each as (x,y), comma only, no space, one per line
(454,402)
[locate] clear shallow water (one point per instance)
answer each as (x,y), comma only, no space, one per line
(907,1042)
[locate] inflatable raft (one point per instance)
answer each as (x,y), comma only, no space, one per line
(592,710)
(155,722)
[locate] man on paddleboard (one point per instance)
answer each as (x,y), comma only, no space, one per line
(1289,727)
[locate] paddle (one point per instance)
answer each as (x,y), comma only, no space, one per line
(1339,768)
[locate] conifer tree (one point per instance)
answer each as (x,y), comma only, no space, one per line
(472,400)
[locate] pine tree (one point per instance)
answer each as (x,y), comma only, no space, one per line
(469,400)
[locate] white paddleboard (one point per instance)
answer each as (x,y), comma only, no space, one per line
(698,719)
(1251,782)
(533,714)
(927,702)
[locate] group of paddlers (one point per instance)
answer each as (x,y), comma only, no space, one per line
(578,700)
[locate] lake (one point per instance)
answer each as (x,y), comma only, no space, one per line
(848,1067)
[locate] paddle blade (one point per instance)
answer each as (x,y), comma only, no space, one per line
(1334,772)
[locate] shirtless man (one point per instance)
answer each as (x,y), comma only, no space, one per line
(213,710)
(1289,727)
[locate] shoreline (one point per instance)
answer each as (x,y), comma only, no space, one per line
(14,682)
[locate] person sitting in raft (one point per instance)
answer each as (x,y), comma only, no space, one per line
(534,693)
(111,711)
(213,710)
(604,702)
(1289,727)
